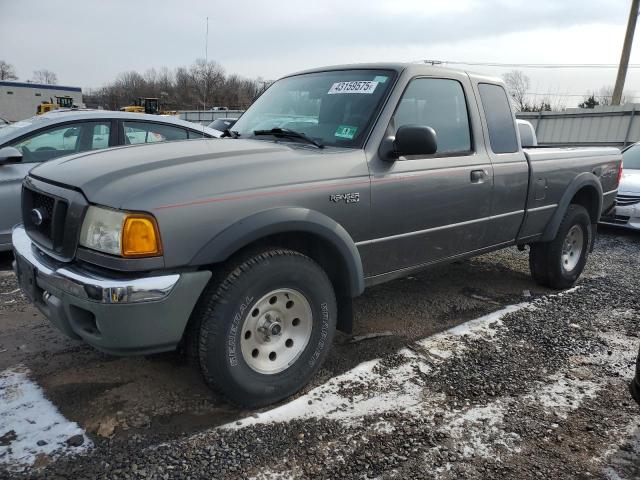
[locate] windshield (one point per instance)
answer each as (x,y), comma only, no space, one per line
(14,128)
(334,108)
(631,157)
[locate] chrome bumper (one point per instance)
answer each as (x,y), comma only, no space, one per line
(80,283)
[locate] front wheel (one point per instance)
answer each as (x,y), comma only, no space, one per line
(559,263)
(266,328)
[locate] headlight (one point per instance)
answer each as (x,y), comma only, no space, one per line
(120,233)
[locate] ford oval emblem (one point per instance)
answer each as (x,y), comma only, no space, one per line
(36,217)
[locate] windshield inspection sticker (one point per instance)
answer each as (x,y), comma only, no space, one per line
(364,86)
(380,79)
(345,131)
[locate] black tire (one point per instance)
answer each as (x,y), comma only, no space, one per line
(546,258)
(224,307)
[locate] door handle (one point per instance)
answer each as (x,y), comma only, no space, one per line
(478,176)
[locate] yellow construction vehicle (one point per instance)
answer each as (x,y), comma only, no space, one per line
(143,105)
(61,102)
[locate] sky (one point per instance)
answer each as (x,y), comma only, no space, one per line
(88,42)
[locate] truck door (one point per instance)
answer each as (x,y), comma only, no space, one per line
(510,167)
(428,208)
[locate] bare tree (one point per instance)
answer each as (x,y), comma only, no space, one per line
(45,76)
(605,94)
(7,72)
(517,84)
(207,77)
(201,84)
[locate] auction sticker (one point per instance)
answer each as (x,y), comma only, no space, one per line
(363,86)
(346,131)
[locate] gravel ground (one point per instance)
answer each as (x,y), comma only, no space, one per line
(535,386)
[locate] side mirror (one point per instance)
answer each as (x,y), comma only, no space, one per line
(409,140)
(10,155)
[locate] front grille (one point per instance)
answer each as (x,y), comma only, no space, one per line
(45,204)
(44,217)
(625,200)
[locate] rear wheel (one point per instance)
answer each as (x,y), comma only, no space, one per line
(559,263)
(266,327)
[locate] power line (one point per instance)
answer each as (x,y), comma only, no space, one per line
(528,65)
(572,95)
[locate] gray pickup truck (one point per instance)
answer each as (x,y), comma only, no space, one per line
(246,251)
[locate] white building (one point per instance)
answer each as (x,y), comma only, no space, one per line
(19,100)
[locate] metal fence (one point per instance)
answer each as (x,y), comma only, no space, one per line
(205,117)
(614,126)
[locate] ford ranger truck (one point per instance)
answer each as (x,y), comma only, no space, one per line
(245,252)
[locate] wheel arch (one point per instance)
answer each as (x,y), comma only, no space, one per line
(585,190)
(308,231)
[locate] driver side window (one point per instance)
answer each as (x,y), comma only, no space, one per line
(440,104)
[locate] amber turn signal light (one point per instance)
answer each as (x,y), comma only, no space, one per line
(140,236)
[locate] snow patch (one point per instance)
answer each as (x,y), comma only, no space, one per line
(562,394)
(446,344)
(28,418)
(479,430)
(358,392)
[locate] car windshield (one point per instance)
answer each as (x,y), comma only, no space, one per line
(334,108)
(14,128)
(631,157)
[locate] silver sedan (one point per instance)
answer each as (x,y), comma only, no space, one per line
(25,144)
(627,211)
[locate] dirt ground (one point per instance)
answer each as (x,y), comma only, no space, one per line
(532,384)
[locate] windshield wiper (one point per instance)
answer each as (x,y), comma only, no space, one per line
(285,132)
(229,133)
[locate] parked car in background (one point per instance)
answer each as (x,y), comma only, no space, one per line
(60,133)
(246,251)
(627,211)
(222,124)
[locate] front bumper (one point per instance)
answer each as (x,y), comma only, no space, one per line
(119,315)
(627,216)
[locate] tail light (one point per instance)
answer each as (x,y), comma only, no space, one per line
(619,174)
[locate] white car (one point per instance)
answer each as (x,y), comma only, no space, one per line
(627,211)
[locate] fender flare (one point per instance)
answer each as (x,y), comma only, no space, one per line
(585,179)
(284,220)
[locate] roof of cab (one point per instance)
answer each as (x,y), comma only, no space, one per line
(399,67)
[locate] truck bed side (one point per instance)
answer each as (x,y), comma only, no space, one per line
(560,175)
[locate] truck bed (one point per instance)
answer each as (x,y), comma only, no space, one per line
(553,170)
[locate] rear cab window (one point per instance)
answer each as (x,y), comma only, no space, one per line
(500,124)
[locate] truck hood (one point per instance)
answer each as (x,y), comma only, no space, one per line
(123,176)
(630,182)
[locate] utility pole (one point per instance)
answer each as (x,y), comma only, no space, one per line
(626,52)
